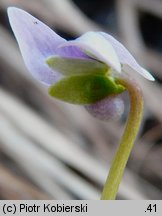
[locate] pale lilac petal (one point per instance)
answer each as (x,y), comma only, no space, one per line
(37,42)
(96,46)
(71,52)
(125,57)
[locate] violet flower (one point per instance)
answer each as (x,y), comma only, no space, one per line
(38,42)
(92,70)
(50,58)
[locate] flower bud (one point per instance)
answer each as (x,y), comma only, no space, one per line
(110,108)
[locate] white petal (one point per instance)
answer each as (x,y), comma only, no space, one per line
(96,46)
(147,75)
(125,57)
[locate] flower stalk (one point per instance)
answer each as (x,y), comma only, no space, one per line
(127,141)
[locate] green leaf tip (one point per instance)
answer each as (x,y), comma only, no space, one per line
(85,89)
(74,66)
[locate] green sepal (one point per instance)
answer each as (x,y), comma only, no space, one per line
(85,89)
(73,66)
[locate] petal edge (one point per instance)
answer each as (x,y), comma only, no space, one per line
(36,42)
(125,56)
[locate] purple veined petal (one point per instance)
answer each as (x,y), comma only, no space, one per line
(71,52)
(94,45)
(37,42)
(125,57)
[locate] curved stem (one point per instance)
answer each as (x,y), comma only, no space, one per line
(133,123)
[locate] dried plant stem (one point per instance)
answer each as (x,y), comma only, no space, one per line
(133,123)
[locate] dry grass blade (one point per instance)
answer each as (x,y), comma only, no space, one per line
(19,189)
(30,154)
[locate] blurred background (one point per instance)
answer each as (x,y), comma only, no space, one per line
(53,150)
